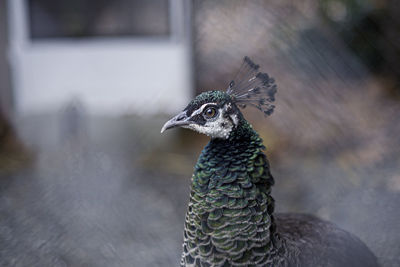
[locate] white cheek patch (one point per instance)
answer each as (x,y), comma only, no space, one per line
(233,117)
(218,128)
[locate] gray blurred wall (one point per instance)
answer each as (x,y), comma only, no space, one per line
(5,84)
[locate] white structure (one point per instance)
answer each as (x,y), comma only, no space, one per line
(117,75)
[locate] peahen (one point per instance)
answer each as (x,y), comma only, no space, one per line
(230,219)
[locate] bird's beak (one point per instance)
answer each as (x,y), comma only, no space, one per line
(179,120)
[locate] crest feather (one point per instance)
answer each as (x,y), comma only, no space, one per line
(253,88)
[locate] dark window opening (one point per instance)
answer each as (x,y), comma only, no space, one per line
(98,18)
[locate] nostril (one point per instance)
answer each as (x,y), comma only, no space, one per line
(181,117)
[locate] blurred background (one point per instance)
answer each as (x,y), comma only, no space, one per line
(85,87)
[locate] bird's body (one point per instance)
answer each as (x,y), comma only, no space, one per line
(230,207)
(230,219)
(314,242)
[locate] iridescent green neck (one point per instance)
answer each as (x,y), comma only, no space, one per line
(244,131)
(229,218)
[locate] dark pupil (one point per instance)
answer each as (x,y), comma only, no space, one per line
(210,112)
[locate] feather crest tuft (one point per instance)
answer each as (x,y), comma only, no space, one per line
(253,88)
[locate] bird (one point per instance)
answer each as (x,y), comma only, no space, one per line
(230,219)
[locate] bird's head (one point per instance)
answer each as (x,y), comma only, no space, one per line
(216,113)
(212,113)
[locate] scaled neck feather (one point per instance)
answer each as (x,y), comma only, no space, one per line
(229,218)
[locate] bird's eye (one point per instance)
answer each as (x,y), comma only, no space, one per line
(210,112)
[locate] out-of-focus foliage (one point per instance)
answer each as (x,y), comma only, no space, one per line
(371,30)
